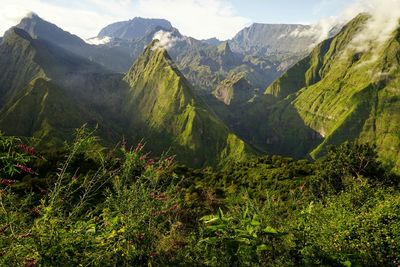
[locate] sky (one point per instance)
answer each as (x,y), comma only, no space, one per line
(201,19)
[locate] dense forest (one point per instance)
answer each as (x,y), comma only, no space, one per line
(85,205)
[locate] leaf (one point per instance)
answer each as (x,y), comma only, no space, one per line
(245,213)
(208,218)
(220,214)
(262,247)
(270,230)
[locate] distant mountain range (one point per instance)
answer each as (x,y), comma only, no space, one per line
(206,101)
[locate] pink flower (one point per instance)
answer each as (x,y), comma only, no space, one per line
(27,149)
(25,168)
(139,147)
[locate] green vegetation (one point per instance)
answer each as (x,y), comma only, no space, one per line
(164,106)
(87,205)
(343,92)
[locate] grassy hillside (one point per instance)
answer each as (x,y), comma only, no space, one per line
(344,94)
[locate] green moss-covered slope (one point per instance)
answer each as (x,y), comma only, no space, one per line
(43,111)
(164,107)
(344,94)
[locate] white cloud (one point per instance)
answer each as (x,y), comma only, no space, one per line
(201,19)
(75,20)
(196,18)
(165,40)
(99,41)
(385,19)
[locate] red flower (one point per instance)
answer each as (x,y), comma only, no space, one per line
(139,147)
(25,168)
(158,196)
(153,254)
(7,182)
(174,207)
(150,162)
(27,149)
(31,263)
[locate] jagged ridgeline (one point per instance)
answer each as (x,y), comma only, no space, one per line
(346,90)
(47,92)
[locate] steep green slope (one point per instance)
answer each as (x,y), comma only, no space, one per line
(40,95)
(164,107)
(316,65)
(17,64)
(42,110)
(345,94)
(235,89)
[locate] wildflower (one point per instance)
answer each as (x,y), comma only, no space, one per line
(150,162)
(153,254)
(158,196)
(25,168)
(31,263)
(7,182)
(74,178)
(170,160)
(174,207)
(139,147)
(27,149)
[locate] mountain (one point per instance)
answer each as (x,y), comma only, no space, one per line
(235,89)
(135,28)
(47,91)
(345,94)
(169,111)
(280,41)
(212,41)
(208,67)
(114,58)
(36,27)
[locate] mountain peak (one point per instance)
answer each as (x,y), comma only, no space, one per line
(32,15)
(225,48)
(135,28)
